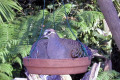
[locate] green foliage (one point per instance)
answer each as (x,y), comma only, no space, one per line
(5,71)
(60,22)
(117,5)
(4,77)
(59,14)
(90,29)
(7,10)
(10,42)
(87,21)
(6,68)
(12,48)
(34,23)
(108,75)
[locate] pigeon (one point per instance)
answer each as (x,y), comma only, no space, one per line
(60,48)
(55,47)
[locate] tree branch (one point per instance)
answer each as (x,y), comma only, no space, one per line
(111,18)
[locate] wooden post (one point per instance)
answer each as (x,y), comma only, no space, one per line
(112,19)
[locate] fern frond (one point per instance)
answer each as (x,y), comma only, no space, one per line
(70,34)
(6,68)
(108,75)
(4,77)
(10,43)
(87,20)
(59,14)
(2,59)
(6,9)
(23,50)
(17,60)
(3,51)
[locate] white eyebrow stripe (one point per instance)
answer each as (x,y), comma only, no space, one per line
(45,32)
(52,32)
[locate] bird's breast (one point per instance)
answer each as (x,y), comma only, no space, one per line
(57,51)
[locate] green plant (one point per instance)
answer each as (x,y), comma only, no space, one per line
(108,75)
(5,71)
(11,48)
(7,8)
(90,29)
(35,23)
(117,6)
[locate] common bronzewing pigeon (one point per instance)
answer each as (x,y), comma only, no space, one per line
(58,48)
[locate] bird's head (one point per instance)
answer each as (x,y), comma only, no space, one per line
(48,33)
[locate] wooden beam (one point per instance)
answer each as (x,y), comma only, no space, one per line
(112,19)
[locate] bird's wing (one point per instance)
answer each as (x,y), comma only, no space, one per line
(74,47)
(40,50)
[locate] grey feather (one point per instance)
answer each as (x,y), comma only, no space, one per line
(40,50)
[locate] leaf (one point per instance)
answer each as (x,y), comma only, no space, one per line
(18,60)
(7,10)
(59,15)
(23,50)
(4,77)
(107,75)
(6,68)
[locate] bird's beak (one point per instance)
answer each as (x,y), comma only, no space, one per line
(42,37)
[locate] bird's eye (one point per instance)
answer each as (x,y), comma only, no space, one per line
(49,32)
